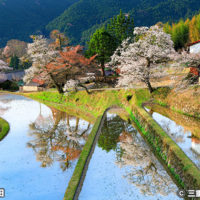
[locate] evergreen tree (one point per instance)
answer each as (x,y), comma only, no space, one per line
(103,45)
(121,27)
(106,39)
(25,64)
(14,62)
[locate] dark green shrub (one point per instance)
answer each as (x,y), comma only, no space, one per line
(9,85)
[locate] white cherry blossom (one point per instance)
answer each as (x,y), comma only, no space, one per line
(145,58)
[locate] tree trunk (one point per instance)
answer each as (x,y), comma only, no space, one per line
(149,86)
(103,69)
(58,87)
(147,78)
(151,111)
(77,123)
(81,85)
(85,131)
(68,120)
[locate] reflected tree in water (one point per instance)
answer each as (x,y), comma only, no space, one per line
(112,128)
(6,100)
(3,110)
(177,135)
(131,150)
(146,172)
(55,140)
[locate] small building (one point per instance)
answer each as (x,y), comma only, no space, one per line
(34,86)
(194,47)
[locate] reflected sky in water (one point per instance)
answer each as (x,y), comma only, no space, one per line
(188,143)
(122,167)
(23,173)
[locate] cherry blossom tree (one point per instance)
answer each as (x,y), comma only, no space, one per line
(142,60)
(74,84)
(77,68)
(40,54)
(185,59)
(56,66)
(4,66)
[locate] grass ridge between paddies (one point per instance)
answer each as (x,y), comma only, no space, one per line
(4,128)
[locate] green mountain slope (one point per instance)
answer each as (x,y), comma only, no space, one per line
(21,18)
(86,13)
(169,10)
(82,18)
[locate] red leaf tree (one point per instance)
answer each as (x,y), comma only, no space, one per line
(57,67)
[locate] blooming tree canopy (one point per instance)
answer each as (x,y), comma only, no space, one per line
(76,67)
(186,59)
(56,66)
(4,66)
(41,55)
(142,59)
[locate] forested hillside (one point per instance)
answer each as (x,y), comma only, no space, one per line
(86,13)
(21,18)
(82,18)
(78,19)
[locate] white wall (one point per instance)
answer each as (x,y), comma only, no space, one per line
(195,48)
(30,88)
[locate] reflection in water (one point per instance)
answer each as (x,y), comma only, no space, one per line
(123,167)
(184,130)
(146,172)
(20,173)
(175,134)
(196,145)
(56,140)
(113,127)
(3,110)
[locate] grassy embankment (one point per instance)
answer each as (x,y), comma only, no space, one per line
(4,128)
(185,102)
(180,166)
(173,158)
(75,183)
(190,124)
(89,107)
